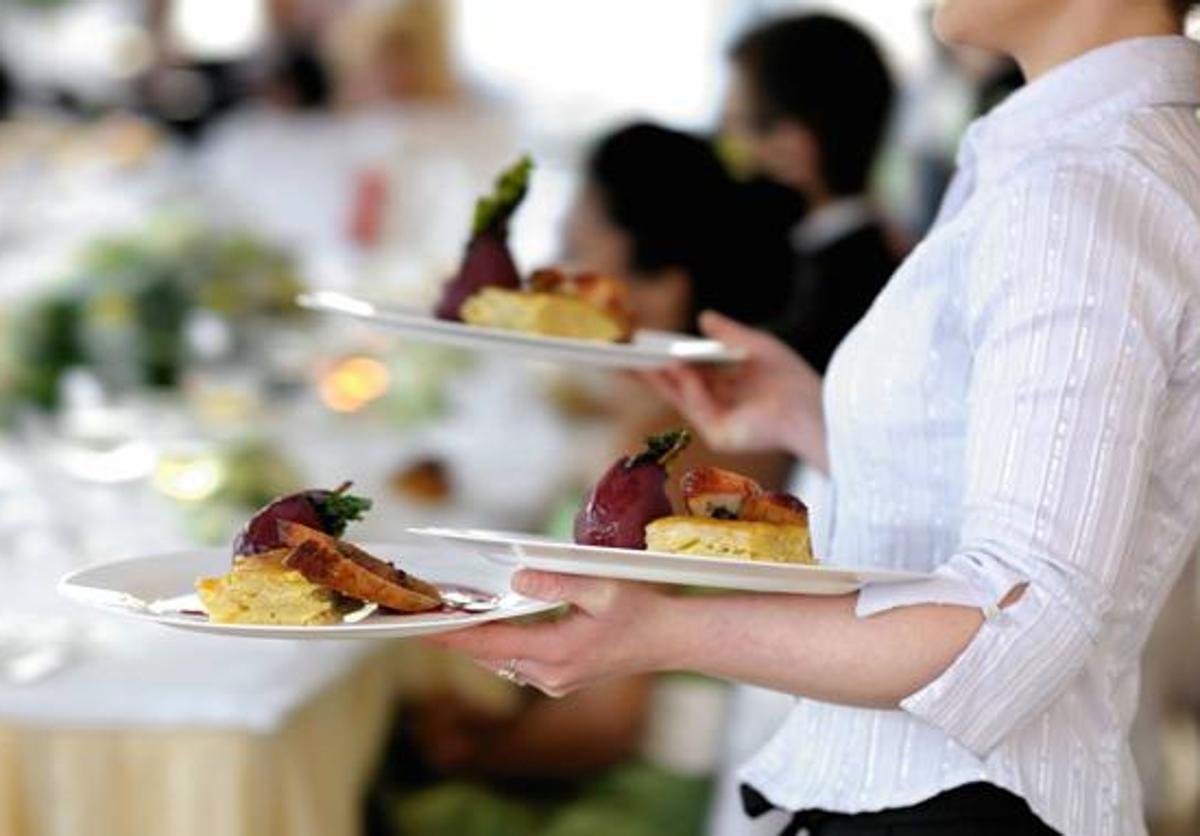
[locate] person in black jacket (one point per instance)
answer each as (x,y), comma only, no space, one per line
(809,103)
(6,92)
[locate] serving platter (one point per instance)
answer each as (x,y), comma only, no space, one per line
(158,588)
(546,554)
(648,350)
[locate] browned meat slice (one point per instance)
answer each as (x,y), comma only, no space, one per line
(775,507)
(351,571)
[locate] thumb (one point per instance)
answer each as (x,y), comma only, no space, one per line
(589,594)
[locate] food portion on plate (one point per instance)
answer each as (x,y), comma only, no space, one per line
(725,514)
(261,589)
(585,306)
(488,291)
(291,567)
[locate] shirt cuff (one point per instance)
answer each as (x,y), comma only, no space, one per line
(965,583)
(1018,659)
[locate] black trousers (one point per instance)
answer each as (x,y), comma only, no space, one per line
(970,810)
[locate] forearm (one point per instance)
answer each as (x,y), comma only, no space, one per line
(813,646)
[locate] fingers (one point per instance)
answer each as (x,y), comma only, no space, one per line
(735,334)
(588,594)
(696,399)
(701,399)
(542,642)
(552,680)
(662,384)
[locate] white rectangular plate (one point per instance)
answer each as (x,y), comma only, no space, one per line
(158,588)
(533,552)
(649,349)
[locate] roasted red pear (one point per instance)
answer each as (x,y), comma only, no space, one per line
(487,261)
(713,492)
(325,511)
(776,508)
(631,494)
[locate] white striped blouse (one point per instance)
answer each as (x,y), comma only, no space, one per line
(1022,405)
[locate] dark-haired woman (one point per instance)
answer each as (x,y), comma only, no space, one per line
(1017,414)
(657,208)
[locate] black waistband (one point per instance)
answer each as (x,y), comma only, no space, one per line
(970,802)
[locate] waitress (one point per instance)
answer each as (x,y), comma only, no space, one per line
(1019,413)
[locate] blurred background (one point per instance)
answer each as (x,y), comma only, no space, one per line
(173,172)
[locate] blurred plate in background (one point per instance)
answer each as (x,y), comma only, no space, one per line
(649,349)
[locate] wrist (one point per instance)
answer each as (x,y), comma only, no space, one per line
(670,645)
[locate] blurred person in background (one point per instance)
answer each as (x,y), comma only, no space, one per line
(658,209)
(296,77)
(808,104)
(191,86)
(1015,415)
(7,93)
(285,160)
(186,92)
(395,52)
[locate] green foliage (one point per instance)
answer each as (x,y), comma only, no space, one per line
(339,509)
(636,799)
(46,343)
(662,448)
(493,211)
(255,472)
(122,312)
(461,809)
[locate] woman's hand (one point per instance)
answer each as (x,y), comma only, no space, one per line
(813,646)
(769,401)
(615,628)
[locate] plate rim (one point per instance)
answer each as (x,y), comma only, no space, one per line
(68,586)
(880,575)
(707,350)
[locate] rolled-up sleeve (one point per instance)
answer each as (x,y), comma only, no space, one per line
(1071,317)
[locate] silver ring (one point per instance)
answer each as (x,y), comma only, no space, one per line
(510,673)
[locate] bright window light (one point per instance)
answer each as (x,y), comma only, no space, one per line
(218,29)
(586,62)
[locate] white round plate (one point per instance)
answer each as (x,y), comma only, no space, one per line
(649,349)
(158,588)
(533,552)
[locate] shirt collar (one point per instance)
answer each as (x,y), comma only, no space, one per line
(1085,92)
(830,222)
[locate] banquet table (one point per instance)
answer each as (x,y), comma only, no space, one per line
(111,727)
(298,766)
